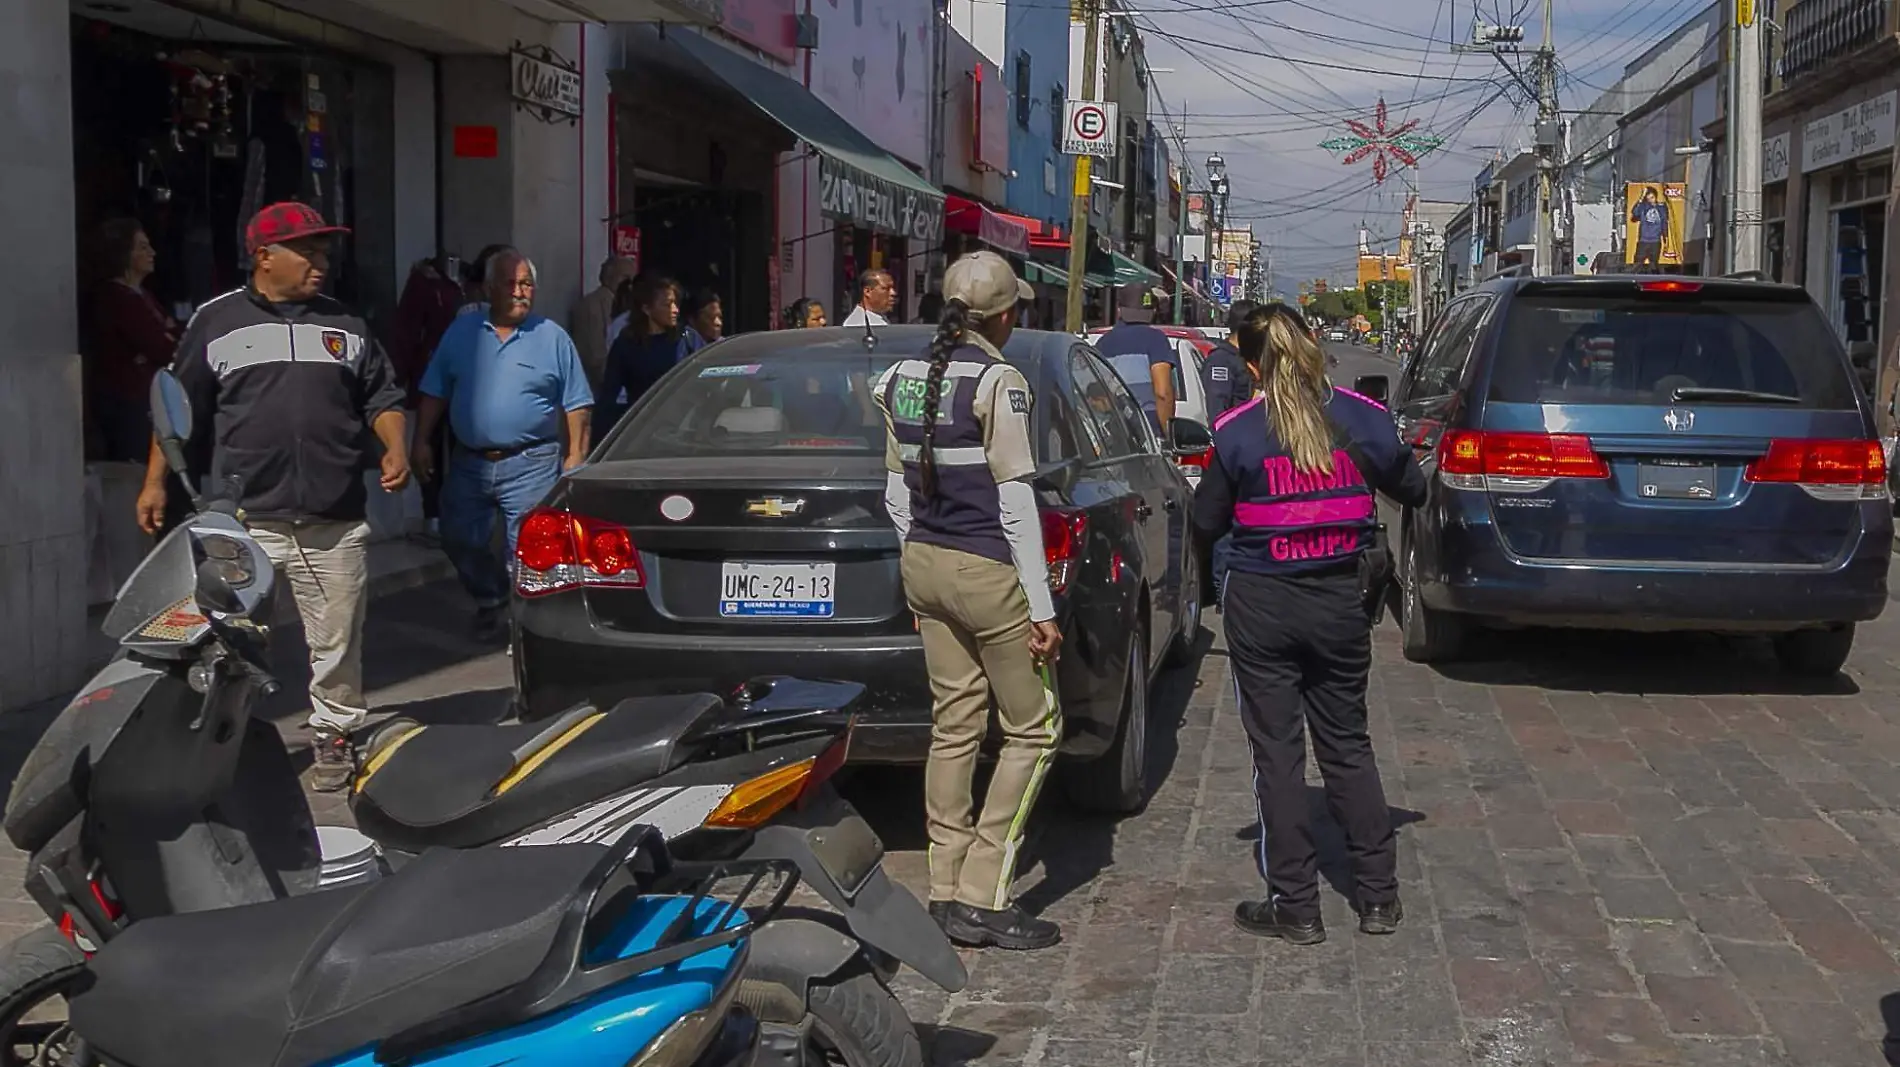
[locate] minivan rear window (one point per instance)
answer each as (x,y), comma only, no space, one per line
(1569,348)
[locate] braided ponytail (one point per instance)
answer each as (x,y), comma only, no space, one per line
(949,335)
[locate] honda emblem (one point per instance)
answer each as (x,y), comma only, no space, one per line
(1678,420)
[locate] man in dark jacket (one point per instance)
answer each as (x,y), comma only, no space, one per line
(286,387)
(1227,382)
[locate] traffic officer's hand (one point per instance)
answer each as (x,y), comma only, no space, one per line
(395,472)
(422,460)
(151,507)
(1045,638)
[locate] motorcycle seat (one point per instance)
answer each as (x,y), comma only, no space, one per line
(305,979)
(460,786)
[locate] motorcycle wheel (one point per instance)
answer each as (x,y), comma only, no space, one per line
(36,970)
(856,1021)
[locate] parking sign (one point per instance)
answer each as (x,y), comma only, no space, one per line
(1088,128)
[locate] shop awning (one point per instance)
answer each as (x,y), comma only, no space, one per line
(1037,273)
(1129,272)
(859,182)
(1005,233)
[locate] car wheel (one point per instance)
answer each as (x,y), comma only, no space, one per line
(1815,653)
(1116,782)
(1181,649)
(1426,636)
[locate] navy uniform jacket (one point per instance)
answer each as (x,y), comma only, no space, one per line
(1226,379)
(1289,522)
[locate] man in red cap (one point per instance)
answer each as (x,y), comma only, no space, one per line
(286,387)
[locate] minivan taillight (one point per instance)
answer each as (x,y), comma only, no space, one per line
(1471,459)
(1830,470)
(1196,462)
(558,550)
(1063,532)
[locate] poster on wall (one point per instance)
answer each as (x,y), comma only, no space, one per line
(1654,224)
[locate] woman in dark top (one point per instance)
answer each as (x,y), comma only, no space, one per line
(805,313)
(705,320)
(646,349)
(128,338)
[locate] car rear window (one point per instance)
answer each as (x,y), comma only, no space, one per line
(1563,348)
(786,404)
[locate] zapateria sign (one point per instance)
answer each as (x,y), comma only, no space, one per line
(544,83)
(863,199)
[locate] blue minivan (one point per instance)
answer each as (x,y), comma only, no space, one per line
(1640,452)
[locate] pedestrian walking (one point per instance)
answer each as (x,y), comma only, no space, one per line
(512,387)
(705,320)
(286,385)
(428,305)
(805,314)
(1135,335)
(592,313)
(1293,477)
(877,295)
(645,349)
(1225,377)
(960,457)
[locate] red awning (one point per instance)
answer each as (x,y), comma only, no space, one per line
(1003,232)
(1040,234)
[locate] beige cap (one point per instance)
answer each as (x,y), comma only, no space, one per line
(986,284)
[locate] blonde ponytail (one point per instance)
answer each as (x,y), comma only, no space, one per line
(1293,372)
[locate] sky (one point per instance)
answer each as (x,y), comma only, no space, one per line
(1263,82)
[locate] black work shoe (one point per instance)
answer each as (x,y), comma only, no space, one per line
(1381,918)
(1011,928)
(1265,919)
(334,760)
(939,911)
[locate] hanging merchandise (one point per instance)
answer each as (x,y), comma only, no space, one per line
(1379,144)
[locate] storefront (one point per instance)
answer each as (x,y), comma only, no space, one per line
(1847,171)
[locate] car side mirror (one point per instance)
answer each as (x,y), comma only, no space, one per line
(1188,438)
(1373,386)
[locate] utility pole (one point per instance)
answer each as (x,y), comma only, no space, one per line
(1180,221)
(1547,121)
(1744,139)
(1084,179)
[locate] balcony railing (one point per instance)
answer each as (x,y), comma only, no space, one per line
(1822,31)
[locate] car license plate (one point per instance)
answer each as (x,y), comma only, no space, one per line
(778,590)
(1675,481)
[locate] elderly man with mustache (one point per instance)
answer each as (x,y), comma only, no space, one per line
(518,404)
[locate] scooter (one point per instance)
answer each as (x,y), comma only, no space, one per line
(156,793)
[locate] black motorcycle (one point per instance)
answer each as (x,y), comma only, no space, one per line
(156,792)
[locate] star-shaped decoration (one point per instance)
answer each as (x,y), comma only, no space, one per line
(1380,144)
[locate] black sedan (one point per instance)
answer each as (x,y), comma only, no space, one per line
(733,525)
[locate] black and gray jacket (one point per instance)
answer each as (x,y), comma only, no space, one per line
(282,397)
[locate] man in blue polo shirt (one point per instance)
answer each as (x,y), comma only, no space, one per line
(1134,336)
(517,401)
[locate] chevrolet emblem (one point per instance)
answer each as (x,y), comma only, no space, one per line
(774,507)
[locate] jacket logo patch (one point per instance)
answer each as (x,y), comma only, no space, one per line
(1219,374)
(336,342)
(1019,401)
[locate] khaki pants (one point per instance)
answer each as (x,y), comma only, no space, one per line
(975,625)
(327,566)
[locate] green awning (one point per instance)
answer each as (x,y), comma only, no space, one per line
(1099,281)
(859,182)
(1129,272)
(1037,272)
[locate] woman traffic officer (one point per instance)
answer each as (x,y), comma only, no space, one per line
(1293,478)
(960,457)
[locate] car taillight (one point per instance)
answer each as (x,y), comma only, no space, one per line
(1670,285)
(1848,470)
(557,550)
(1470,459)
(1063,531)
(1198,461)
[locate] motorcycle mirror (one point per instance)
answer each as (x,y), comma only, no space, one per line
(214,592)
(171,423)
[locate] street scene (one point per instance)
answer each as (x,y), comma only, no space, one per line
(768,533)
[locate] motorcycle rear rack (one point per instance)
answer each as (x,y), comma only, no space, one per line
(637,865)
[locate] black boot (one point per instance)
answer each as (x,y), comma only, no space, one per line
(1265,919)
(1381,918)
(939,911)
(1011,928)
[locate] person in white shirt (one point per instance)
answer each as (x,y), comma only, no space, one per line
(877,295)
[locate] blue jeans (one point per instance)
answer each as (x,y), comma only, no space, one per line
(473,489)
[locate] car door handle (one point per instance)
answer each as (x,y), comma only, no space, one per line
(1172,505)
(1142,510)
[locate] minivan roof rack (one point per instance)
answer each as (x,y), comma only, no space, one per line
(1508,272)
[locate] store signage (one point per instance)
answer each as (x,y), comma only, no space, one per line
(544,83)
(627,244)
(1088,128)
(1849,133)
(1774,159)
(863,199)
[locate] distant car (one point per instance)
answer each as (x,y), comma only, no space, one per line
(733,525)
(1641,453)
(1190,389)
(1336,335)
